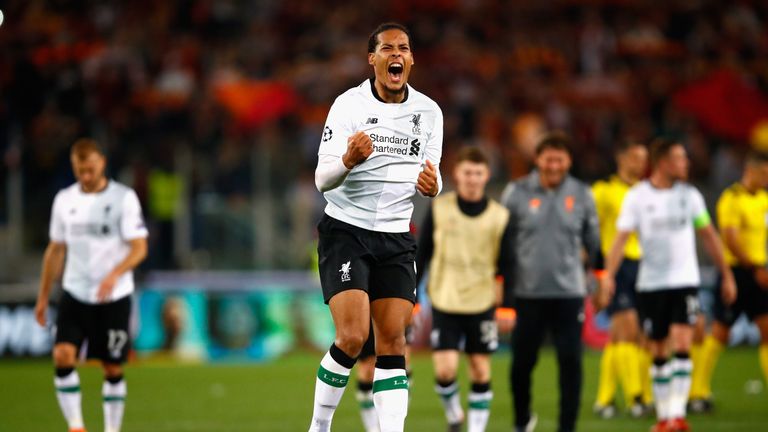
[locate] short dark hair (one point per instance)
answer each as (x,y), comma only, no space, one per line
(373,40)
(627,143)
(84,147)
(472,154)
(756,157)
(556,140)
(660,148)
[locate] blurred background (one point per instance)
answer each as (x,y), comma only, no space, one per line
(213,110)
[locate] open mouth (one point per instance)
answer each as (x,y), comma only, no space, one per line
(395,71)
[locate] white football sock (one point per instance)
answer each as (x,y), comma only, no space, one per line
(69,397)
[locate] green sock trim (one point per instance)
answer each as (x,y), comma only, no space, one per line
(366,404)
(448,395)
(480,405)
(662,380)
(71,389)
(332,379)
(394,383)
(680,374)
(114,398)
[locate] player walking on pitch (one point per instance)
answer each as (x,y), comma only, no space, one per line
(665,212)
(463,239)
(381,143)
(97,227)
(741,214)
(622,357)
(552,221)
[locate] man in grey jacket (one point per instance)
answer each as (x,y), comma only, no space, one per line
(552,221)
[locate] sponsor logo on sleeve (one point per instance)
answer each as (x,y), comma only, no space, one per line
(327,134)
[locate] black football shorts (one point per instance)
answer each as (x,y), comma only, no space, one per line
(104,325)
(381,264)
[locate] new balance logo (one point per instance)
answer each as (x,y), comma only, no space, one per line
(372,120)
(345,268)
(415,148)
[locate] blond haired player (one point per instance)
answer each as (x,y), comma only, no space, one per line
(97,228)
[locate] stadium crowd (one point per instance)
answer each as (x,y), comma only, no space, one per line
(242,88)
(212,111)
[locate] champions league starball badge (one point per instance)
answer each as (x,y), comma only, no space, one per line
(327,134)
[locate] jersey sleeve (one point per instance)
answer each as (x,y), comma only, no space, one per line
(629,217)
(699,211)
(507,196)
(508,201)
(597,193)
(591,228)
(338,128)
(57,228)
(727,215)
(434,149)
(132,224)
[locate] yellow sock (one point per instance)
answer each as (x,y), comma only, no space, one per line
(696,392)
(702,372)
(645,375)
(627,365)
(764,360)
(606,387)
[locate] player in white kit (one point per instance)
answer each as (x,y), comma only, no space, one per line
(666,212)
(382,142)
(97,229)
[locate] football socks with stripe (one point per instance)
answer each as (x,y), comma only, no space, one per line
(113,393)
(332,378)
(390,392)
(67,383)
(479,406)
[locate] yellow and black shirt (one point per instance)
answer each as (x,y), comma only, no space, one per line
(748,213)
(609,194)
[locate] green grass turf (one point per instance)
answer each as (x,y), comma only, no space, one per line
(278,397)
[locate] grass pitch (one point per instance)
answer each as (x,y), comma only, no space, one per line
(167,397)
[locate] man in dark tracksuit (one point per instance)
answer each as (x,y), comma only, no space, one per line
(552,220)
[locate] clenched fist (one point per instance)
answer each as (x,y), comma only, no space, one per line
(427,182)
(359,147)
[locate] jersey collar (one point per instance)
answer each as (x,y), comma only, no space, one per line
(534,179)
(740,187)
(376,94)
(98,192)
(615,177)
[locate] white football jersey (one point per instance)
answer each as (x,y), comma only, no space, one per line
(376,194)
(665,220)
(96,228)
